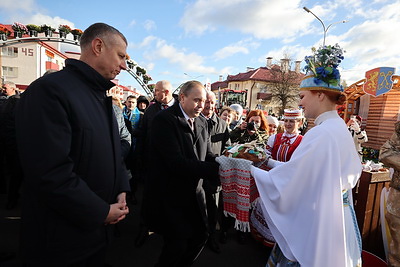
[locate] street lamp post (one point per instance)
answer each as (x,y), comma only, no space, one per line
(194,78)
(323,25)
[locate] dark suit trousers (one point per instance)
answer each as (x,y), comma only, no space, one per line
(212,211)
(181,252)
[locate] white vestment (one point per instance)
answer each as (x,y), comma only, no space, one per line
(302,198)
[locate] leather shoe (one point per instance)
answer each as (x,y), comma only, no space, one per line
(223,238)
(141,237)
(213,245)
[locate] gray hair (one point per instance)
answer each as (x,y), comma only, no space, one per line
(188,86)
(11,84)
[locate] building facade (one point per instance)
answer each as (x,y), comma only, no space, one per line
(256,88)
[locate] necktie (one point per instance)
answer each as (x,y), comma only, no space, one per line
(164,106)
(190,122)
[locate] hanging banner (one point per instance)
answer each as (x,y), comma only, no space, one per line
(378,81)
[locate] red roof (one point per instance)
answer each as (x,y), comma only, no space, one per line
(219,84)
(9,27)
(260,74)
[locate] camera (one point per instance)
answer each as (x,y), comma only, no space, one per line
(251,126)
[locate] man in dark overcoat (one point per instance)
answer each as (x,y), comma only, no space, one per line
(163,99)
(174,198)
(70,152)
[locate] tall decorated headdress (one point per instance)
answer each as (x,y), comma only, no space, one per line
(321,69)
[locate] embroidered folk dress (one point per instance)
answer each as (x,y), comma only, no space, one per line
(303,199)
(281,147)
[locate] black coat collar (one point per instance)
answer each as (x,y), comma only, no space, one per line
(94,78)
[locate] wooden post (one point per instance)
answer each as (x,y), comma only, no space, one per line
(366,197)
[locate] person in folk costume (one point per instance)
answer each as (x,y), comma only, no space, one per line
(281,147)
(307,201)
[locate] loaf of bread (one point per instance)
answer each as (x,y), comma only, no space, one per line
(250,151)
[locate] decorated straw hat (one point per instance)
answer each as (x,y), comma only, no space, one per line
(292,114)
(321,70)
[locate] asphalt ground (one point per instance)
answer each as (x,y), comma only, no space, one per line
(122,251)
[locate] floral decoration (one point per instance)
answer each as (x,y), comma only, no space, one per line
(45,28)
(147,77)
(323,64)
(33,27)
(77,32)
(4,30)
(19,27)
(130,62)
(64,28)
(140,70)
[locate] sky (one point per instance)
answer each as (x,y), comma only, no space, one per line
(180,40)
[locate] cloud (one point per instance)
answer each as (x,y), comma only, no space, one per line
(149,25)
(132,23)
(29,12)
(10,6)
(147,42)
(232,49)
(259,18)
(372,44)
(294,52)
(157,48)
(40,19)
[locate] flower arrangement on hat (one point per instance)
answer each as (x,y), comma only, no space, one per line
(64,28)
(77,32)
(19,27)
(323,64)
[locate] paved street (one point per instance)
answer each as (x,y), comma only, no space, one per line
(122,251)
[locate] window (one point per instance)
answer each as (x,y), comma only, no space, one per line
(9,51)
(10,71)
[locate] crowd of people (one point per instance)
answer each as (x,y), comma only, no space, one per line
(82,154)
